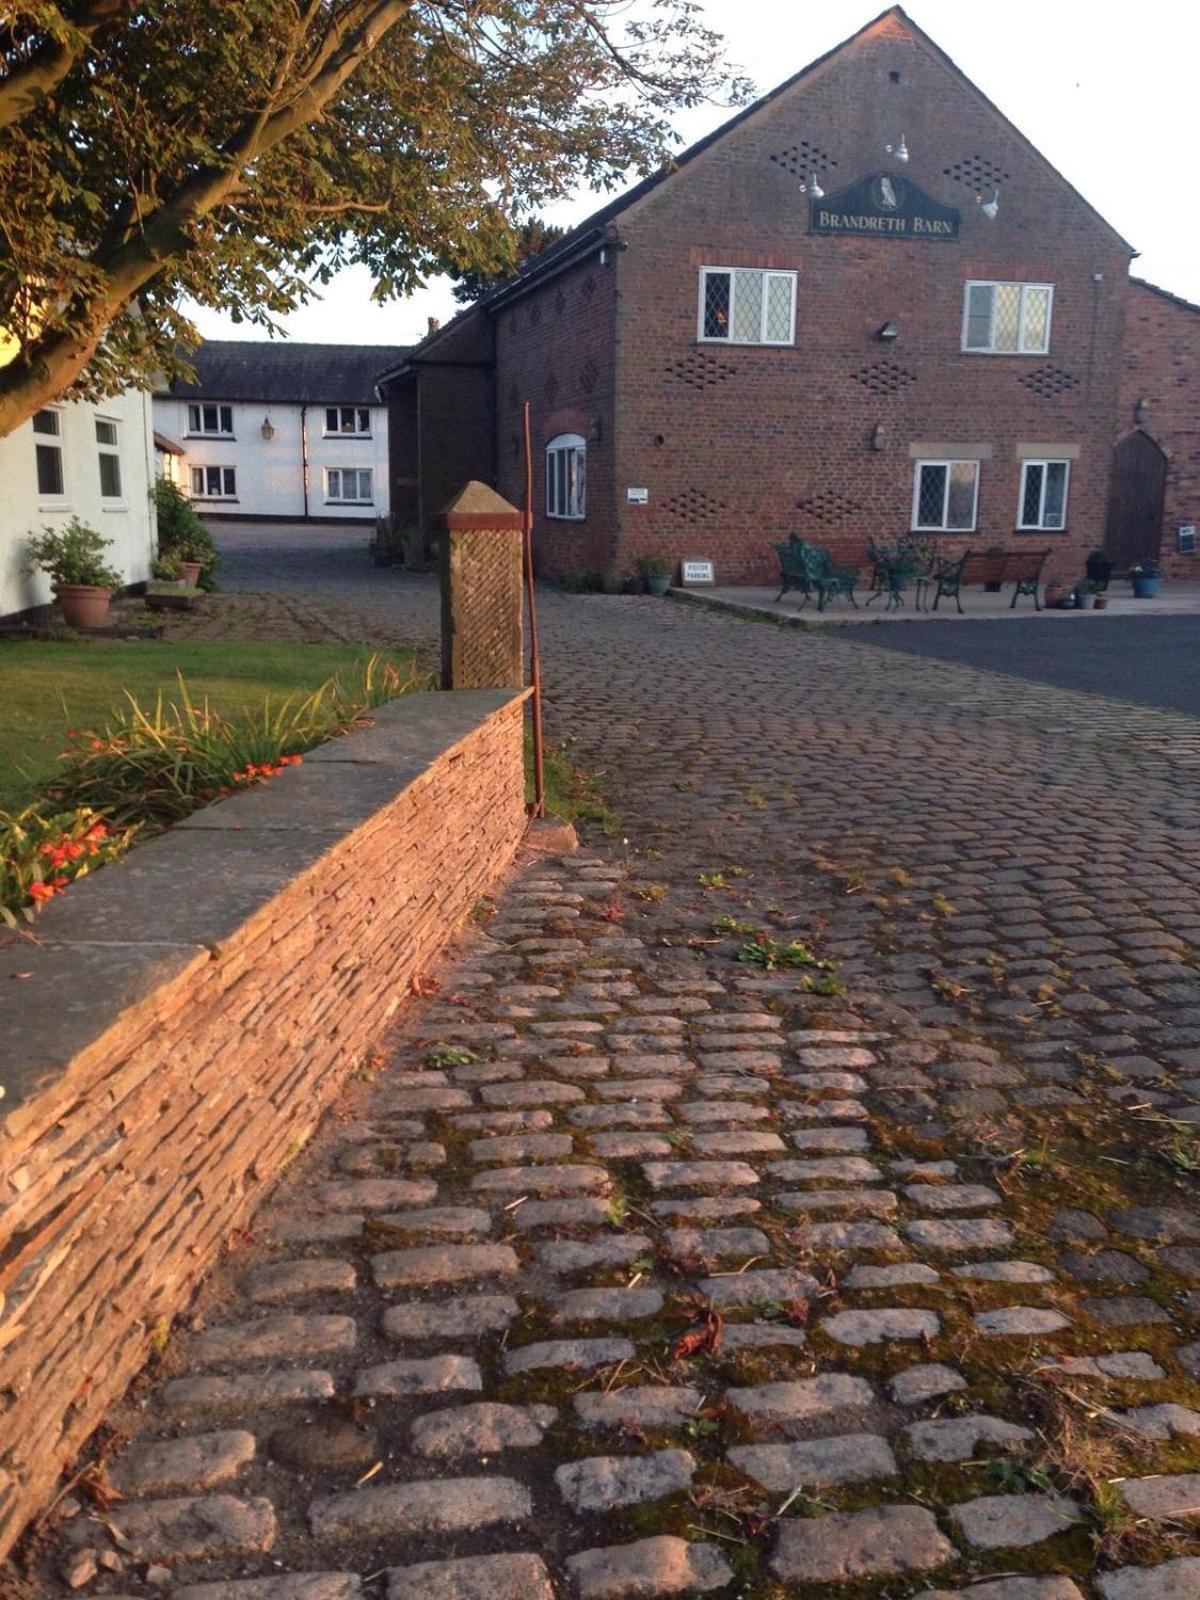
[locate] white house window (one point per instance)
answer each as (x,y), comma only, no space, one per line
(214,483)
(1044,494)
(566,477)
(1007,318)
(214,420)
(348,484)
(108,448)
(48,450)
(945,495)
(348,419)
(747,305)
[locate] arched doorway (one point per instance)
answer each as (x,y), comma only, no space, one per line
(1135,502)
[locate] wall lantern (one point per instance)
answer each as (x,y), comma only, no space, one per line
(1141,412)
(812,187)
(879,437)
(889,331)
(989,207)
(898,152)
(268,428)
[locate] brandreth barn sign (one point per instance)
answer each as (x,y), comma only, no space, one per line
(888,205)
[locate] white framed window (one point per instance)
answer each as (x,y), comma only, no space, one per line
(1007,318)
(48,451)
(747,305)
(945,496)
(210,421)
(108,450)
(1043,502)
(354,420)
(349,485)
(566,477)
(214,483)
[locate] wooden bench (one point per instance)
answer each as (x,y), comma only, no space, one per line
(1022,568)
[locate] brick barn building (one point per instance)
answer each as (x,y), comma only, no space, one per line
(865,305)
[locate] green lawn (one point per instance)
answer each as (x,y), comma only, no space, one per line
(46,688)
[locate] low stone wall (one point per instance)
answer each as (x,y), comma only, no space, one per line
(172,1038)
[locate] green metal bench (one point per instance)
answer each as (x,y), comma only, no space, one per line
(813,570)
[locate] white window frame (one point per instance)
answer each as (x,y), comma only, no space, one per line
(358,429)
(1022,349)
(341,498)
(767,272)
(197,408)
(941,527)
(228,489)
(575,507)
(1041,525)
(50,441)
(110,502)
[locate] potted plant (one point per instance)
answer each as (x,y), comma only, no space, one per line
(1144,576)
(1087,593)
(167,568)
(191,555)
(74,558)
(1055,594)
(1099,569)
(655,573)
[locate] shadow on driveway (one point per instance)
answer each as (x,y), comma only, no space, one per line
(1154,661)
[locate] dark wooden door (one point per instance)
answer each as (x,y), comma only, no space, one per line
(1135,506)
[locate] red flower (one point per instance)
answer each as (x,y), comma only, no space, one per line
(42,891)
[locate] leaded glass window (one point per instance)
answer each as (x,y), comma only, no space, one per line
(1044,494)
(747,305)
(566,477)
(945,495)
(1007,318)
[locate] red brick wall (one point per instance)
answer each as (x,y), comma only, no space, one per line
(127,1166)
(555,348)
(1161,365)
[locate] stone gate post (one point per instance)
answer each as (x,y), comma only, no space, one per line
(481,592)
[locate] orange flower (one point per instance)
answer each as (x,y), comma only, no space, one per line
(42,891)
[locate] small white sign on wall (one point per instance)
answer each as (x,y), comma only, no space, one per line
(697,570)
(638,497)
(1185,539)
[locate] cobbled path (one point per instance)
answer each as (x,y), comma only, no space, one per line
(632,1267)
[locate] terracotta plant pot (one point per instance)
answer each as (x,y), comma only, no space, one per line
(1055,594)
(191,572)
(82,605)
(1101,603)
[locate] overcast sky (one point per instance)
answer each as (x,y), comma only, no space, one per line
(1107,91)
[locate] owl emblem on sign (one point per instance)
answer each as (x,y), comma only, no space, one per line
(887,192)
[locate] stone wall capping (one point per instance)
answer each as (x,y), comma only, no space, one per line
(183,1018)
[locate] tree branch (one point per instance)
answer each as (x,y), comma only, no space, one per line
(28,84)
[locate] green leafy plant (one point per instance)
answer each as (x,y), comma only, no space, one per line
(153,765)
(449,1055)
(771,953)
(42,853)
(72,554)
(182,534)
(167,568)
(732,925)
(654,566)
(713,880)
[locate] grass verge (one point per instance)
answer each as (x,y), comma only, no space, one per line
(571,793)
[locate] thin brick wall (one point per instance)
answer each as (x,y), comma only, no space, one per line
(129,1157)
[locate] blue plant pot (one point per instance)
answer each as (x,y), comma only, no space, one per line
(658,582)
(1145,588)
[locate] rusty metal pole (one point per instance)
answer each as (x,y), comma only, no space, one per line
(535,660)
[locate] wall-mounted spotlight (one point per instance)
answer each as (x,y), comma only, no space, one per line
(879,437)
(889,331)
(812,187)
(989,207)
(898,152)
(1141,412)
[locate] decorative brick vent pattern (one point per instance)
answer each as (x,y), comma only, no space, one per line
(804,158)
(882,378)
(560,302)
(700,370)
(977,173)
(144,1120)
(589,374)
(694,508)
(589,287)
(829,506)
(1048,382)
(550,389)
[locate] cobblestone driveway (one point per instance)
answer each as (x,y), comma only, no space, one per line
(641,1270)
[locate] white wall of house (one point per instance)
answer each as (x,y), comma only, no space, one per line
(268,474)
(126,518)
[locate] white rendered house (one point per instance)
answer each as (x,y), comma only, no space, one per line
(94,462)
(281,431)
